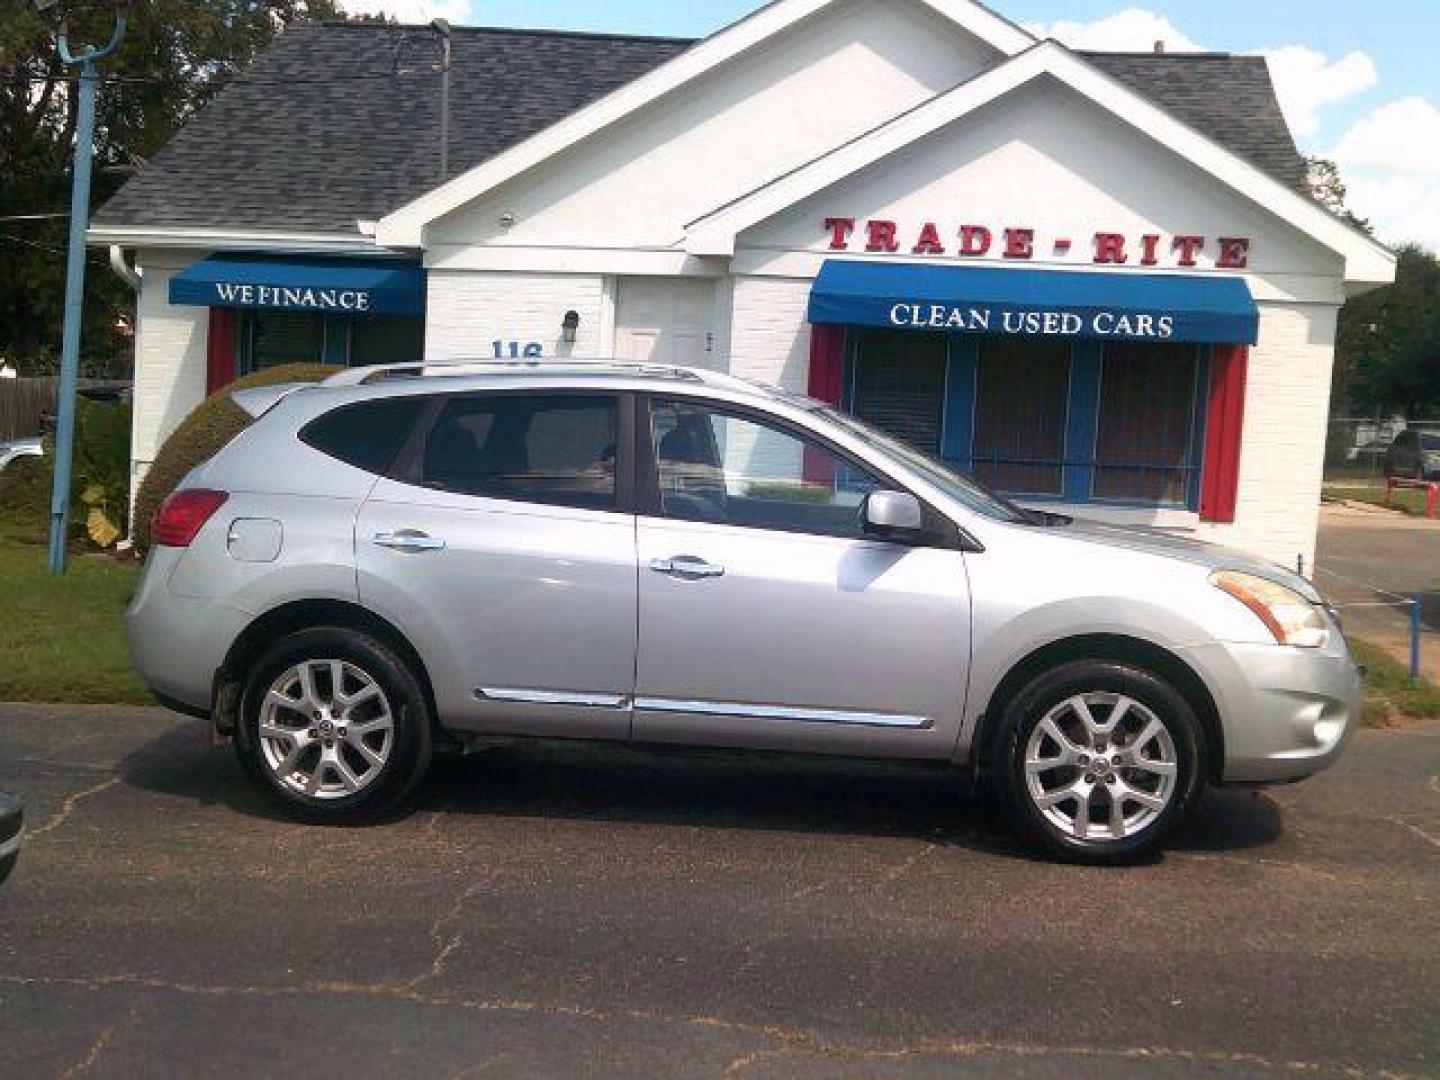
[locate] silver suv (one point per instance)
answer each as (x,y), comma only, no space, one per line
(405,559)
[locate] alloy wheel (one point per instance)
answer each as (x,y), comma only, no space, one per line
(326,729)
(1101,767)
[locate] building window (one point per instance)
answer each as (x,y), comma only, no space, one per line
(1022,403)
(899,385)
(1042,418)
(1146,437)
(387,339)
(273,338)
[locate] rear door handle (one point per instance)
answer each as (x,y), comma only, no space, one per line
(687,568)
(408,540)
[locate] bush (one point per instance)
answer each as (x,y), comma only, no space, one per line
(202,435)
(100,479)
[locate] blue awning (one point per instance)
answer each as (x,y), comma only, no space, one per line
(1038,303)
(337,286)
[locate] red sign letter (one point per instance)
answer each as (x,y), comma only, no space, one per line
(1110,248)
(1019,243)
(929,242)
(1188,247)
(1151,243)
(975,240)
(840,230)
(882,236)
(1234,253)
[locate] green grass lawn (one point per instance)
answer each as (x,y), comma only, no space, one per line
(1409,501)
(62,638)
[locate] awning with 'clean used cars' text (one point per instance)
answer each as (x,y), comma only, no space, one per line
(1040,303)
(336,286)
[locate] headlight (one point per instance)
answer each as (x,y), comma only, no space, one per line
(1288,615)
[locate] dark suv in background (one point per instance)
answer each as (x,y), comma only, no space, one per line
(1414,455)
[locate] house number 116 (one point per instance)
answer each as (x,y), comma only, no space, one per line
(515,350)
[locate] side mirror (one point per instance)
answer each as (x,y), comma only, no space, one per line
(893,512)
(12,830)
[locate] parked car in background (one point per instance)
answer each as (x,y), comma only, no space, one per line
(13,450)
(1414,455)
(12,832)
(397,558)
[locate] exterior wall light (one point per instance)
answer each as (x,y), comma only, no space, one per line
(570,328)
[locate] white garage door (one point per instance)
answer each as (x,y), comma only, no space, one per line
(665,321)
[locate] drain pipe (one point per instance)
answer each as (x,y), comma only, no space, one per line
(123,271)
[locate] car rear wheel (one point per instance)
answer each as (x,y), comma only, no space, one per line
(334,726)
(1099,761)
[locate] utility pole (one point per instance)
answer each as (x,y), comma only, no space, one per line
(75,273)
(442,27)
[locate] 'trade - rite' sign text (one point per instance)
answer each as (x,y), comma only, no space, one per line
(981,241)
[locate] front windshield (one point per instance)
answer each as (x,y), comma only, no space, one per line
(963,489)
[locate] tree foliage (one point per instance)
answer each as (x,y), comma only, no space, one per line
(1389,343)
(176,56)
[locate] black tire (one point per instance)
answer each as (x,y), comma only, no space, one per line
(1103,679)
(411,740)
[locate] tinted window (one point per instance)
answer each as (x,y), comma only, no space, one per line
(368,436)
(730,470)
(1430,442)
(527,448)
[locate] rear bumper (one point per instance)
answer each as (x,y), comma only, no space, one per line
(176,643)
(1286,713)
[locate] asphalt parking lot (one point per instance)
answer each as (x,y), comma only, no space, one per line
(566,911)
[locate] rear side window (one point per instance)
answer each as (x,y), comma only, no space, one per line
(369,435)
(527,448)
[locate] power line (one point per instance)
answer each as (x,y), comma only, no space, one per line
(32,217)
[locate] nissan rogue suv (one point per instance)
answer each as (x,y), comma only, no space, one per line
(407,558)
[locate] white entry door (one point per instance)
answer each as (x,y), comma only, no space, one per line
(665,321)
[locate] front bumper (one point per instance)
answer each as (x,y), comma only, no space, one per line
(1286,713)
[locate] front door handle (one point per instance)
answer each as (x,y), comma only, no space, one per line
(409,540)
(687,568)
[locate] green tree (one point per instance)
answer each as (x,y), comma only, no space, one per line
(176,56)
(1388,347)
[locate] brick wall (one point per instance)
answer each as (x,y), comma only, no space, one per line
(468,311)
(170,346)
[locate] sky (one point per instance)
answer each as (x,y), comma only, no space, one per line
(1359,83)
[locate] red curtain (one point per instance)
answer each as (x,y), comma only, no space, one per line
(220,350)
(827,382)
(1224,433)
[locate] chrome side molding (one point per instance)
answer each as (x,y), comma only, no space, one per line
(781,712)
(553,697)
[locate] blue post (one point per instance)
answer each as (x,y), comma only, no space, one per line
(74,301)
(1415,639)
(75,284)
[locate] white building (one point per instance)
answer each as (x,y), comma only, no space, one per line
(1095,280)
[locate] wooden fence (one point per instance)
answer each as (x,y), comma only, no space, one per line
(23,402)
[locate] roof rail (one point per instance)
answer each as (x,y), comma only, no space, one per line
(430,369)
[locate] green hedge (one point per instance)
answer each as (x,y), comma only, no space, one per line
(202,435)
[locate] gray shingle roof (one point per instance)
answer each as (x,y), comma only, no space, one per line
(1229,98)
(336,123)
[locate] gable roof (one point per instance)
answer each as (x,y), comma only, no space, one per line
(326,128)
(1365,259)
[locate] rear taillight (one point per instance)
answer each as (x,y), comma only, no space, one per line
(184,514)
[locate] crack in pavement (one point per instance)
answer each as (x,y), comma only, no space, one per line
(448,946)
(791,1041)
(68,807)
(1433,841)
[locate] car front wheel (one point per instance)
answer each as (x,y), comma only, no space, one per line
(1099,761)
(334,725)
